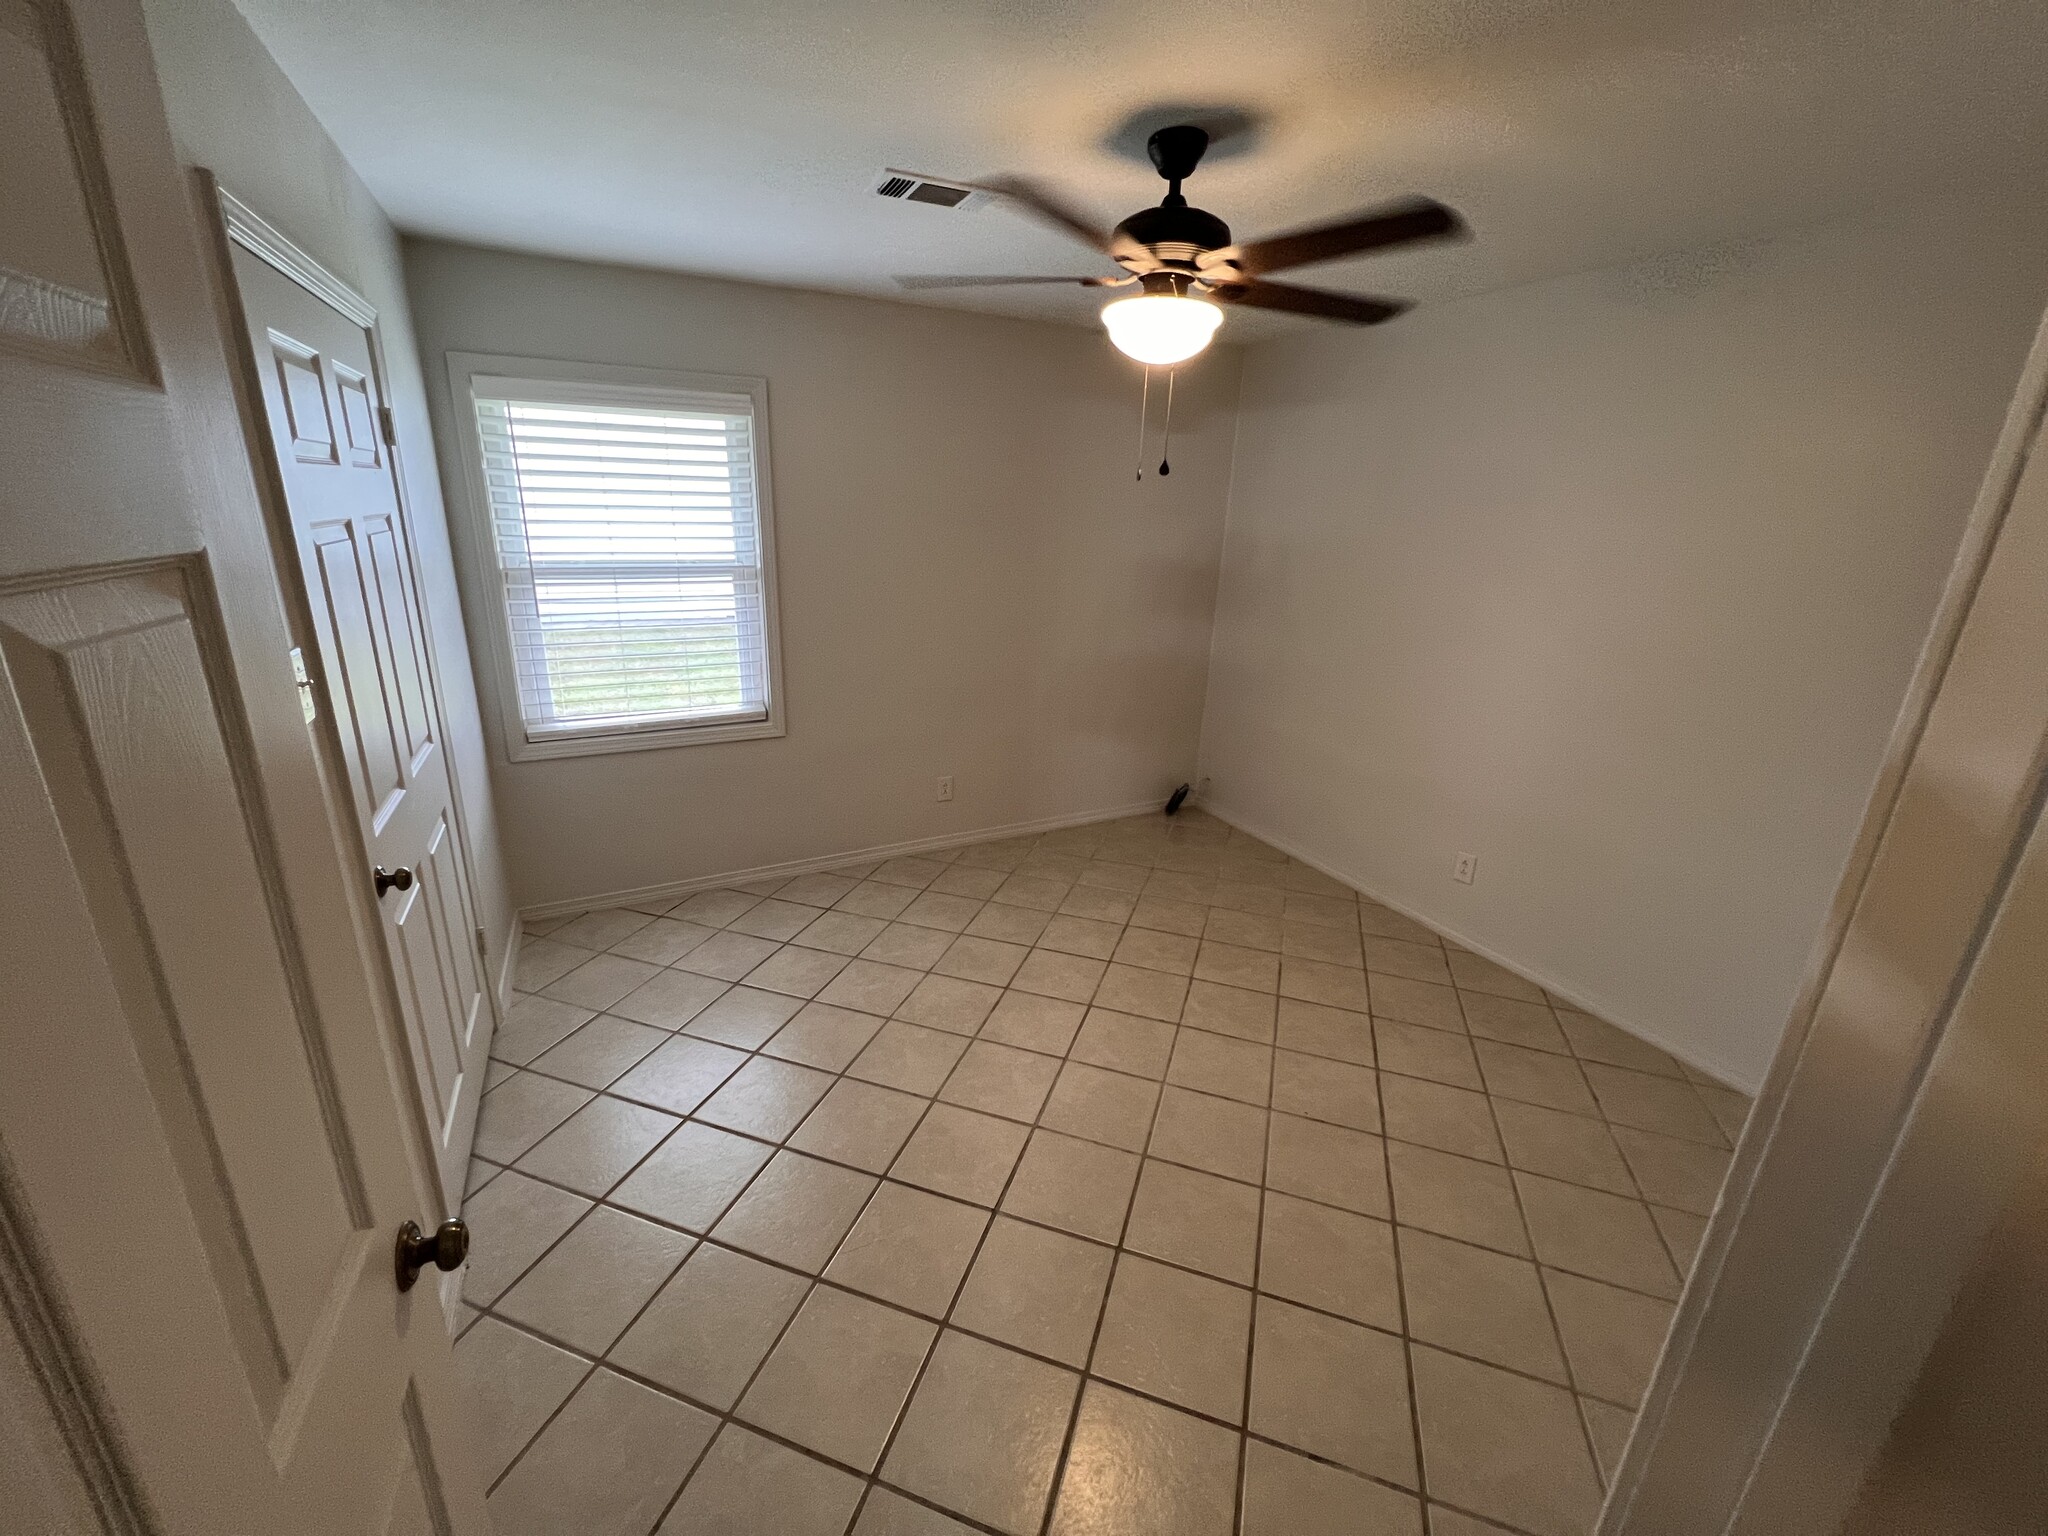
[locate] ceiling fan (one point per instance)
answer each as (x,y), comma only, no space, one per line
(1183,258)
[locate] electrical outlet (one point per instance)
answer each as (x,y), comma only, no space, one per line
(1466,867)
(946,787)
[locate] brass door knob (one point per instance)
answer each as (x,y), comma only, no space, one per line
(399,879)
(446,1249)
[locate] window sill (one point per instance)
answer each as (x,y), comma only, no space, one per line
(523,750)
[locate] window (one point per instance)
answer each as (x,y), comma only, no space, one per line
(627,524)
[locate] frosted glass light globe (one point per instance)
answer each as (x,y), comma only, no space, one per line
(1161,328)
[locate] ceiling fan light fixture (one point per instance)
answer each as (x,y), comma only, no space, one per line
(1161,328)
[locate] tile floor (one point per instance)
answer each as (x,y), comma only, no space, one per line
(1128,1179)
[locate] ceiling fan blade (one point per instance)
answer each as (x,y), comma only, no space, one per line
(1004,282)
(1408,222)
(1049,207)
(1349,307)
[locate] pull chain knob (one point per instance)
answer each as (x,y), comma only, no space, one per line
(445,1250)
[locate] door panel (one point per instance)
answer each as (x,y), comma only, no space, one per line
(204,1147)
(317,373)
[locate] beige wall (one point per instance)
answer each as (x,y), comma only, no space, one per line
(233,112)
(1615,581)
(971,582)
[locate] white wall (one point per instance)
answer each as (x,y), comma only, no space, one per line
(1615,581)
(233,112)
(971,581)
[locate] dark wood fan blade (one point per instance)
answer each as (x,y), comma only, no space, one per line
(1348,307)
(1029,195)
(1405,223)
(1003,282)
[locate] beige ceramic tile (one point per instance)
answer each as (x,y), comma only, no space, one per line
(607,1464)
(1079,1186)
(1177,1336)
(663,941)
(1611,1336)
(1033,1023)
(747,1483)
(1316,981)
(517,1113)
(1534,1077)
(1333,1389)
(1435,1115)
(1040,1291)
(796,1211)
(512,1221)
(727,956)
(1316,1030)
(744,1017)
(1455,1197)
(591,1284)
(1036,891)
(910,1248)
(1052,974)
(598,1145)
(1478,1302)
(916,873)
(873,899)
(1385,923)
(1095,905)
(1231,1069)
(1594,1040)
(775,919)
(1475,973)
(1410,961)
(888,1513)
(1682,1232)
(680,1074)
(1012,925)
(532,1024)
(839,1377)
(1083,935)
(842,933)
(1319,1089)
(797,971)
(1138,1468)
(1098,1105)
(1441,1055)
(692,1177)
(711,1325)
(823,1036)
(1149,949)
(859,1123)
(983,1433)
(1334,946)
(1609,1428)
(1561,1146)
(871,985)
(1123,1042)
(599,1052)
(964,880)
(1216,1135)
(542,961)
(1290,1495)
(1328,1163)
(1504,1445)
(1224,1010)
(1514,1022)
(1196,1220)
(948,1003)
(1001,1080)
(1596,1234)
(516,1381)
(962,1153)
(1671,1172)
(1415,1002)
(985,960)
(1247,930)
(1667,1106)
(817,890)
(1333,1260)
(1165,915)
(714,909)
(909,1057)
(766,1098)
(1323,911)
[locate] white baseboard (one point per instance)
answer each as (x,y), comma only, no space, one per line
(1578,999)
(508,958)
(681,888)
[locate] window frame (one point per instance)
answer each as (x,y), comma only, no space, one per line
(463,369)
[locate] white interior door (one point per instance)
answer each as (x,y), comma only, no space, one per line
(203,1154)
(313,362)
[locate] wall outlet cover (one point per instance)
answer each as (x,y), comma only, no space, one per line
(1466,868)
(946,787)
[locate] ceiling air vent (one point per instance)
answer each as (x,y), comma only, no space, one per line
(907,187)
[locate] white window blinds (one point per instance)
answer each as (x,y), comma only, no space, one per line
(628,535)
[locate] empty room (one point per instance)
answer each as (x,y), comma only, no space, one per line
(813,769)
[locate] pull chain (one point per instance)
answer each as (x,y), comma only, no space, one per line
(1166,442)
(1144,410)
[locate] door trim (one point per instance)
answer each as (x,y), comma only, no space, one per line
(227,221)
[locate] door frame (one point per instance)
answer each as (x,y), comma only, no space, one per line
(226,221)
(1902,1108)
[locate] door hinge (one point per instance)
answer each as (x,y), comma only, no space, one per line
(387,424)
(483,946)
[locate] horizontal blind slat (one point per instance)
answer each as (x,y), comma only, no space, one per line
(627,539)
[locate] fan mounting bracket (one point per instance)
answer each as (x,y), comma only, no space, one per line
(1178,150)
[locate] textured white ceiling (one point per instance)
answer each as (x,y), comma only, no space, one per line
(743,137)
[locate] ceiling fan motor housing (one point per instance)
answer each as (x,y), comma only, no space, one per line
(1176,234)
